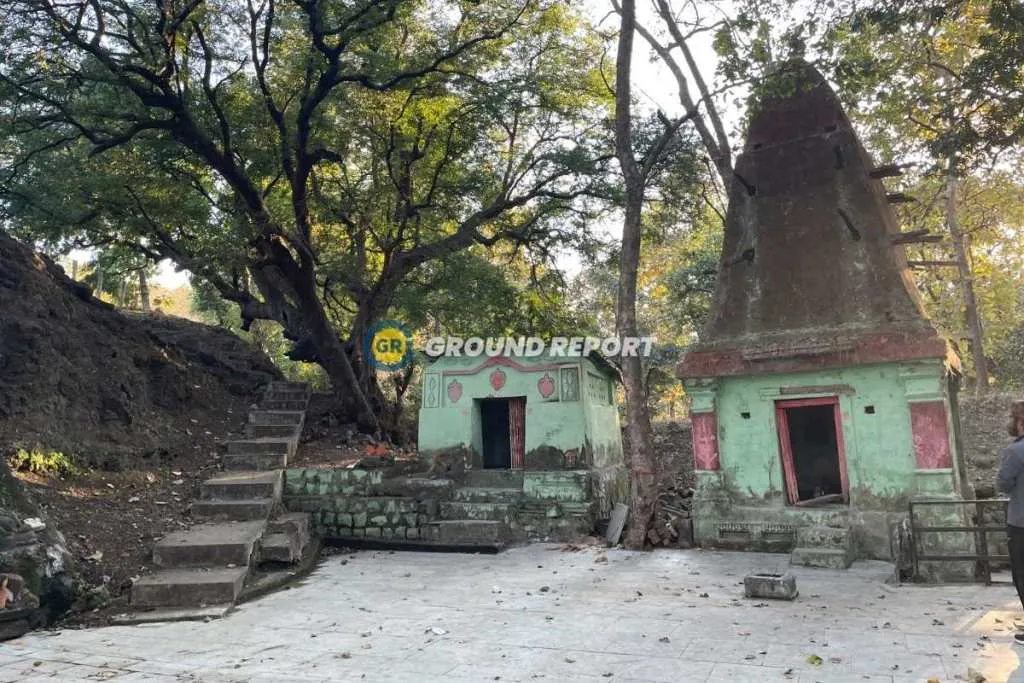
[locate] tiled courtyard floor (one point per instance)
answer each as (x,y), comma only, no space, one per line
(541,614)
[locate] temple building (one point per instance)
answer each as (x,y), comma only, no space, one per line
(822,399)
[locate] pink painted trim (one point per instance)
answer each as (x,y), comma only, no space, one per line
(705,441)
(879,347)
(786,448)
(930,431)
(507,362)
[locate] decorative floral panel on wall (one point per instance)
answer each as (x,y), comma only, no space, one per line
(570,384)
(498,379)
(432,394)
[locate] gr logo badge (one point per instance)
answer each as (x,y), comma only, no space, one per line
(388,346)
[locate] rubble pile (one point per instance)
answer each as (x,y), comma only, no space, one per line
(673,521)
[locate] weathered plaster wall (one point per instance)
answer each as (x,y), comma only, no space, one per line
(449,416)
(604,437)
(887,462)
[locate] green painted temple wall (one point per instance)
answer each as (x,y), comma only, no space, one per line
(883,475)
(576,427)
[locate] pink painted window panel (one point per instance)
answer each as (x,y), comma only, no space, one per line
(931,435)
(705,441)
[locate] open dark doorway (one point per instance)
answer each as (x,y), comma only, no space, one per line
(502,426)
(810,436)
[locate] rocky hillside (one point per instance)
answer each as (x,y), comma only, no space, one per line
(78,377)
(136,404)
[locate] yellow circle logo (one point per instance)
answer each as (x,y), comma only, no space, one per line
(389,346)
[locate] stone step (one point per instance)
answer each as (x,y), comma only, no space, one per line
(233,510)
(253,462)
(254,431)
(267,445)
(243,485)
(480,494)
(276,417)
(495,479)
(826,558)
(277,405)
(188,587)
(280,548)
(827,537)
(283,385)
(492,512)
(293,523)
(279,393)
(209,545)
(468,532)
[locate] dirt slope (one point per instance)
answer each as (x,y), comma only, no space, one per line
(140,404)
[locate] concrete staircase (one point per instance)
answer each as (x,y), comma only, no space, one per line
(481,510)
(243,529)
(823,546)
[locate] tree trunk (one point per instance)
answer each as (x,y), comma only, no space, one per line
(99,280)
(143,290)
(332,354)
(643,492)
(963,264)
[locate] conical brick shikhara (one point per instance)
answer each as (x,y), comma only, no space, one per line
(820,394)
(810,275)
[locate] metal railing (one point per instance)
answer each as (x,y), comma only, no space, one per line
(981,531)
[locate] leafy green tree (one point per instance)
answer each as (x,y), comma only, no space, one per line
(308,159)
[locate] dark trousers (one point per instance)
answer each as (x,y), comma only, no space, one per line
(1016,543)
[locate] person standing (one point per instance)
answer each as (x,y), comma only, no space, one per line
(1010,480)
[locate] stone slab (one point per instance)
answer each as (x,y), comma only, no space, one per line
(276,417)
(253,462)
(243,485)
(264,445)
(189,587)
(255,431)
(209,545)
(617,523)
(172,614)
(234,510)
(281,547)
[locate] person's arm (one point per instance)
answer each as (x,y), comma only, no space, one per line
(1009,470)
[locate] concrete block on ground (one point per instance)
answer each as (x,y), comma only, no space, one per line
(770,586)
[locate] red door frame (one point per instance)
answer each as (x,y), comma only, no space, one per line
(786,448)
